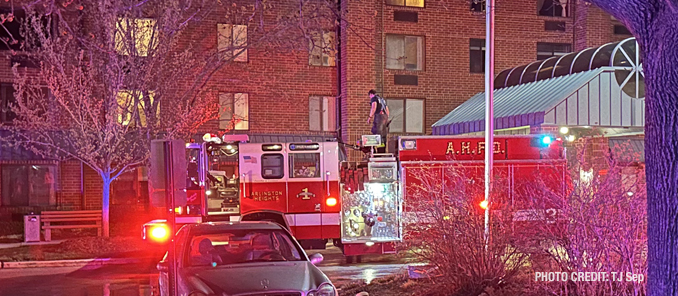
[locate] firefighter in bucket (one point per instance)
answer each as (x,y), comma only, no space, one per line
(379,118)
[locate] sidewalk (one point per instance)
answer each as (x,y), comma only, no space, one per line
(79,251)
(68,263)
(21,244)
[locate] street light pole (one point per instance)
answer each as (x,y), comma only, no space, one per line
(489,112)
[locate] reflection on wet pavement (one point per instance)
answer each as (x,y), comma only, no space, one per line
(361,272)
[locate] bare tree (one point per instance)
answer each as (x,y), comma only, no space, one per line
(446,229)
(600,226)
(112,75)
(655,25)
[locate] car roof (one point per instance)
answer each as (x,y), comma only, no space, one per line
(225,226)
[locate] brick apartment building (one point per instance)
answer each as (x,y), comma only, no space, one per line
(424,56)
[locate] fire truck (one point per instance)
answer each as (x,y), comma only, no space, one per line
(359,206)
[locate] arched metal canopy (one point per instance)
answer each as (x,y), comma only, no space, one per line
(601,86)
(623,56)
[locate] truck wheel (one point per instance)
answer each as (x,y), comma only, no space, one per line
(349,259)
(359,259)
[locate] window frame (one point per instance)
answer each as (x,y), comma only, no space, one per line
(282,167)
(52,168)
(331,55)
(6,94)
(472,48)
(140,52)
(291,168)
(243,57)
(421,55)
(482,5)
(404,115)
(405,4)
(232,106)
(19,16)
(121,112)
(568,8)
(553,52)
(619,29)
(331,116)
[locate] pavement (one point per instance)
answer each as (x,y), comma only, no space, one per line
(106,277)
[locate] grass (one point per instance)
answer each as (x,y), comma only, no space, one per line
(390,285)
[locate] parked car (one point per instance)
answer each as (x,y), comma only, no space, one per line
(243,258)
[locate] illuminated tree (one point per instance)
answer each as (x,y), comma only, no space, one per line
(599,226)
(100,79)
(654,23)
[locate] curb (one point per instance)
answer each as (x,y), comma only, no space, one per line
(68,263)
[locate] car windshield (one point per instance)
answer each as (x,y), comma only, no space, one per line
(242,246)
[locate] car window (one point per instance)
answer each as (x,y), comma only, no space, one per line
(242,246)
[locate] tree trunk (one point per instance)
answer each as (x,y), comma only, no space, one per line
(105,202)
(661,153)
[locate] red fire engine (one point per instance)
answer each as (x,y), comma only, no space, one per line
(358,205)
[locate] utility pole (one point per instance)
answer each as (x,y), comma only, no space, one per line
(169,191)
(489,112)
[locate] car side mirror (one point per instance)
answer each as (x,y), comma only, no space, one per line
(163,266)
(316,258)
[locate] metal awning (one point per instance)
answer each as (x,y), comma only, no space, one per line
(285,138)
(281,138)
(589,98)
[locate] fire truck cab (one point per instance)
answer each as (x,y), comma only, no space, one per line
(293,184)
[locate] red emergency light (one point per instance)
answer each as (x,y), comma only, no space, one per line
(483,204)
(156,231)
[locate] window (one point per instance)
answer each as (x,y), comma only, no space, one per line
(478,5)
(234,111)
(135,35)
(406,16)
(321,114)
(126,189)
(409,3)
(477,55)
(272,166)
(305,165)
(127,115)
(322,51)
(232,41)
(404,52)
(547,50)
(28,185)
(621,30)
(7,97)
(554,8)
(407,115)
(10,35)
(554,26)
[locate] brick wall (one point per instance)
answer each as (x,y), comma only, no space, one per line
(70,195)
(593,27)
(446,81)
(277,76)
(279,83)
